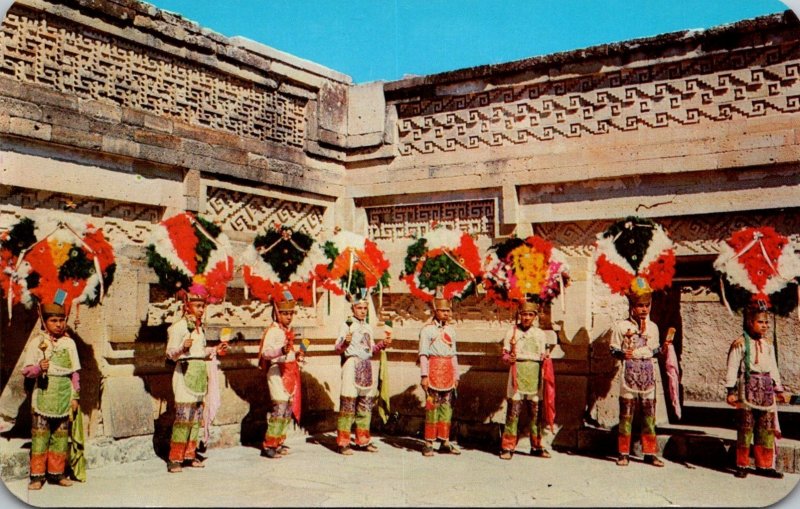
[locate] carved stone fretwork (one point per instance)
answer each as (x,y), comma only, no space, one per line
(251,314)
(122,223)
(747,83)
(399,307)
(575,238)
(87,64)
(244,212)
(405,221)
(693,235)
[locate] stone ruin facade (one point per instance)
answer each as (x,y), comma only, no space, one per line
(122,114)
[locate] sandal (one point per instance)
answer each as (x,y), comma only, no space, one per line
(195,463)
(345,450)
(174,468)
(270,453)
(283,450)
(652,459)
(448,448)
(741,473)
(769,472)
(623,461)
(541,453)
(427,451)
(65,482)
(370,447)
(35,485)
(506,455)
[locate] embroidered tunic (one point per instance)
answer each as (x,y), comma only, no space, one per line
(53,398)
(639,373)
(438,356)
(762,360)
(274,341)
(357,370)
(190,378)
(530,346)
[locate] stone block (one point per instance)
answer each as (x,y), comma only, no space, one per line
(76,138)
(120,146)
(366,109)
(158,139)
(101,111)
(21,109)
(333,98)
(29,128)
(127,407)
(121,299)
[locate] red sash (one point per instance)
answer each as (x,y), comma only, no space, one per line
(290,374)
(441,375)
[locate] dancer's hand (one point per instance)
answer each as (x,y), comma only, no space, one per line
(424,383)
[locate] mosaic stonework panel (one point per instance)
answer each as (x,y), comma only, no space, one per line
(693,235)
(575,238)
(79,62)
(252,314)
(750,83)
(406,221)
(245,212)
(400,307)
(123,223)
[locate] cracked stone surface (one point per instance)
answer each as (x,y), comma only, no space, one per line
(398,475)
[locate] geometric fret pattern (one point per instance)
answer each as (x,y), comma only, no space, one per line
(123,223)
(692,235)
(245,212)
(86,64)
(753,82)
(412,221)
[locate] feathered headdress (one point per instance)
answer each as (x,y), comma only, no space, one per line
(525,269)
(73,264)
(446,258)
(635,248)
(354,263)
(13,242)
(758,265)
(282,260)
(187,250)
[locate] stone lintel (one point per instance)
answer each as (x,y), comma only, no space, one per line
(667,204)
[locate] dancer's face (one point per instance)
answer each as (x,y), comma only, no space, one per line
(443,315)
(758,325)
(526,318)
(55,325)
(360,310)
(196,308)
(285,317)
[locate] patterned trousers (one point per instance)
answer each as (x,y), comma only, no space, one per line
(358,410)
(49,447)
(438,414)
(185,431)
(755,427)
(511,431)
(627,407)
(277,424)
